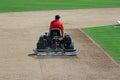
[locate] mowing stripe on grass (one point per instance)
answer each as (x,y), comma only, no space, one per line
(108,37)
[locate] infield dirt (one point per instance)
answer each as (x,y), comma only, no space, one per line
(19,32)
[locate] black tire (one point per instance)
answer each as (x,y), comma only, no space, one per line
(40,46)
(71,46)
(68,44)
(67,39)
(42,43)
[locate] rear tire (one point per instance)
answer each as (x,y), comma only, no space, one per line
(71,46)
(68,44)
(42,43)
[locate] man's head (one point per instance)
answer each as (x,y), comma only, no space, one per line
(57,17)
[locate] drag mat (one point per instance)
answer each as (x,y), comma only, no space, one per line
(91,63)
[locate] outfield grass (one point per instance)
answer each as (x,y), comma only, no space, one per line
(34,5)
(108,37)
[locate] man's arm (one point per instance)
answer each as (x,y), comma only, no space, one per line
(62,32)
(62,29)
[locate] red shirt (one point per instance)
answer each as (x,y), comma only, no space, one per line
(56,24)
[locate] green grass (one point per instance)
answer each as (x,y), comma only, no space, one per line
(108,37)
(35,5)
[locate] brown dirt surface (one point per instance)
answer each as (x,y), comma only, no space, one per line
(19,32)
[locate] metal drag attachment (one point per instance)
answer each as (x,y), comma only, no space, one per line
(56,52)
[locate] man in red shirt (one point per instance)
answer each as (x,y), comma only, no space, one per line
(57,24)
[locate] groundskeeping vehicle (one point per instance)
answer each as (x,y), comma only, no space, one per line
(54,43)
